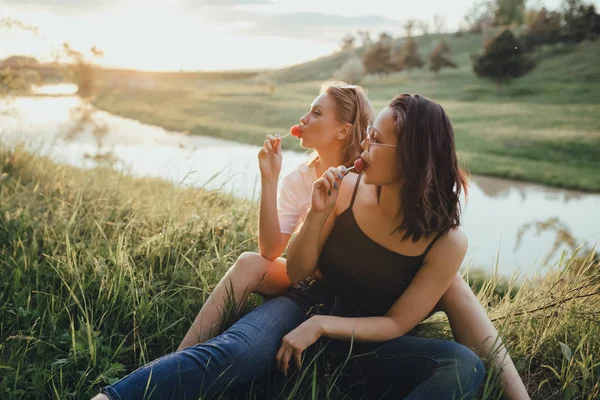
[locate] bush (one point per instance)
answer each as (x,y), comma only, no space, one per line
(408,56)
(440,58)
(351,71)
(264,80)
(503,60)
(378,57)
(544,27)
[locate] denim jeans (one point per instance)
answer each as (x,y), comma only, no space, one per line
(410,367)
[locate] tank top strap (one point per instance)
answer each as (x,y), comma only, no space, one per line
(355,191)
(433,242)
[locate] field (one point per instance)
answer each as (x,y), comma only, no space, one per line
(542,128)
(102,273)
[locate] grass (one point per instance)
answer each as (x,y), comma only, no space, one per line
(101,273)
(542,128)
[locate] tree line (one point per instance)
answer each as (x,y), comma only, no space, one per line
(507,55)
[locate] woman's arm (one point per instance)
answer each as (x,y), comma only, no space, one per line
(306,247)
(421,296)
(271,242)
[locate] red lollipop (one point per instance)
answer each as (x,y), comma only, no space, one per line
(296,130)
(359,165)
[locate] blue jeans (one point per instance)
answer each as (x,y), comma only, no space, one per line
(411,367)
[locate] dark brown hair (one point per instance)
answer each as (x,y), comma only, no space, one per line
(432,180)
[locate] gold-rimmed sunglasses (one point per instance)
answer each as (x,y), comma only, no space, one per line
(370,140)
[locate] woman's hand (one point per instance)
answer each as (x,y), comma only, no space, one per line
(295,342)
(269,158)
(325,190)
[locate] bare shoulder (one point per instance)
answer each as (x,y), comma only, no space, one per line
(346,190)
(452,244)
(349,182)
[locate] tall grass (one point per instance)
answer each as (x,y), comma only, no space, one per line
(101,273)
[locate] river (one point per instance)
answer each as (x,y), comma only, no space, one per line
(512,226)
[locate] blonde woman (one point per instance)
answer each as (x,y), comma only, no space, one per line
(333,127)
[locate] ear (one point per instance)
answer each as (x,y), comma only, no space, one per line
(344,131)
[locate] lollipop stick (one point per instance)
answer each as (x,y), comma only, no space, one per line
(350,169)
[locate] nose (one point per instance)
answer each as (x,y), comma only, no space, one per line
(304,120)
(363,144)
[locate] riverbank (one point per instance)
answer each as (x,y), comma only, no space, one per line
(102,273)
(512,226)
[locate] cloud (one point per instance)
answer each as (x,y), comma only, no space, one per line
(62,6)
(318,26)
(307,25)
(225,3)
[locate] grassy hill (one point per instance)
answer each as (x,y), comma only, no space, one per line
(543,128)
(102,273)
(557,79)
(323,68)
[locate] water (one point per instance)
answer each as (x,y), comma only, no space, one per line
(496,212)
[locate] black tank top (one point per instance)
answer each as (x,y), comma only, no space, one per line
(363,273)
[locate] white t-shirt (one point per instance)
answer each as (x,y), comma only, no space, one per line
(295,197)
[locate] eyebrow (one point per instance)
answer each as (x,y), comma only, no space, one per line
(378,135)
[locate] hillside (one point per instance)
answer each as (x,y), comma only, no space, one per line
(544,127)
(323,68)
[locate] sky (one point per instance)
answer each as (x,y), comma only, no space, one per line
(171,35)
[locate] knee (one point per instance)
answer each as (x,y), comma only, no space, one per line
(249,265)
(470,369)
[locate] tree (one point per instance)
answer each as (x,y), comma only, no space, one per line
(385,39)
(581,21)
(19,62)
(9,25)
(503,59)
(378,56)
(439,24)
(479,16)
(440,58)
(409,26)
(80,67)
(365,38)
(351,71)
(424,26)
(544,27)
(16,72)
(509,12)
(407,57)
(347,43)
